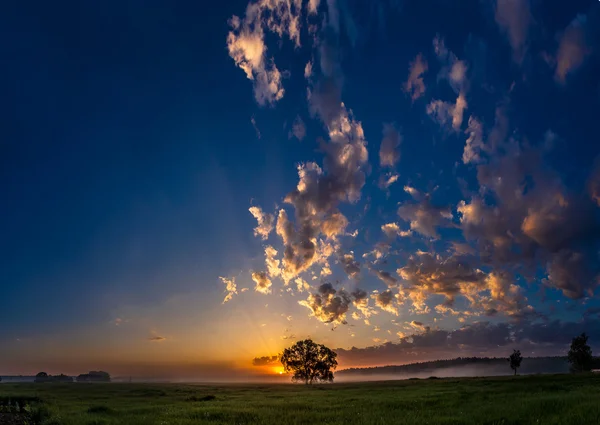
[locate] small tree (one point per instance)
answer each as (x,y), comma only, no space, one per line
(309,362)
(515,360)
(580,354)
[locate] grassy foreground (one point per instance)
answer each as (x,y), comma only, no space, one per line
(550,399)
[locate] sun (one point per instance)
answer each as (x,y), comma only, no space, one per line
(278,370)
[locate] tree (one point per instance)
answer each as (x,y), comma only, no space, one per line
(515,360)
(309,362)
(580,354)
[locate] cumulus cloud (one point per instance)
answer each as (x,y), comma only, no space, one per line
(388,152)
(360,300)
(450,276)
(246,43)
(328,305)
(230,288)
(387,301)
(386,278)
(265,222)
(272,262)
(415,86)
(524,215)
(318,194)
(513,18)
(308,70)
(425,218)
(419,326)
(572,49)
(474,145)
(263,283)
(448,114)
(392,230)
(350,266)
(385,181)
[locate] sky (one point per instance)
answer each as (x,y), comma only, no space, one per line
(187,190)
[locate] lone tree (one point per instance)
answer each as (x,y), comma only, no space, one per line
(580,354)
(309,362)
(515,360)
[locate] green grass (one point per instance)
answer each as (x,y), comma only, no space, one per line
(550,399)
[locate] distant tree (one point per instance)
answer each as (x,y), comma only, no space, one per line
(515,360)
(309,362)
(580,354)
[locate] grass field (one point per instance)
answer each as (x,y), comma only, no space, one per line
(550,399)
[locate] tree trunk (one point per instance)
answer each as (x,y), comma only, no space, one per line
(515,372)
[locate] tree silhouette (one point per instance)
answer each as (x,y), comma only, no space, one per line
(309,362)
(580,354)
(515,360)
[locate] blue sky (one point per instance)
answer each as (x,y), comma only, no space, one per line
(448,154)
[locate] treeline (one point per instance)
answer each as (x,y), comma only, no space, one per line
(548,364)
(92,376)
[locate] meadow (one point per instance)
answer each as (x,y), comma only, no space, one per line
(539,399)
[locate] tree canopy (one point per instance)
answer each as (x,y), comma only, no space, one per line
(309,362)
(515,360)
(580,354)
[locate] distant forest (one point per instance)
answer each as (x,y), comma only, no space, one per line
(483,365)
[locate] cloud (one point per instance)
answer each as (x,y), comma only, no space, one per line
(265,222)
(350,266)
(265,361)
(386,278)
(386,301)
(230,288)
(318,194)
(298,129)
(246,45)
(513,17)
(157,338)
(574,273)
(415,86)
(392,230)
(425,218)
(476,339)
(385,181)
(328,305)
(572,49)
(450,276)
(263,283)
(388,152)
(419,326)
(272,262)
(474,145)
(361,302)
(308,71)
(524,215)
(447,113)
(453,70)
